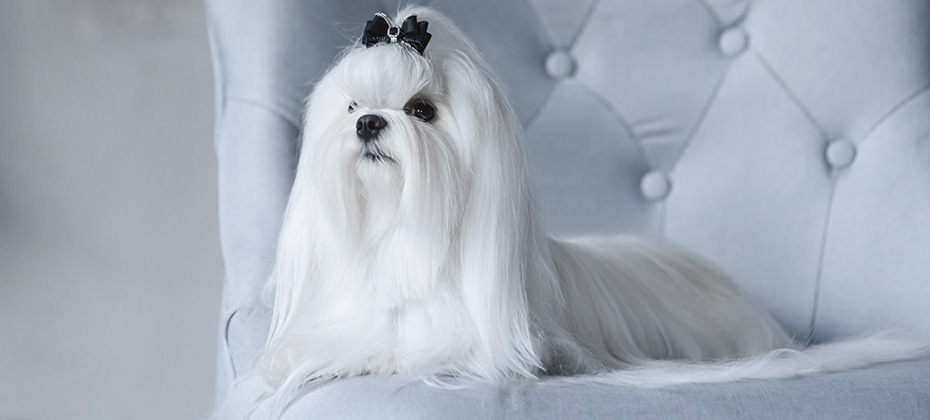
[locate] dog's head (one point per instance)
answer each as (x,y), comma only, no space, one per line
(402,133)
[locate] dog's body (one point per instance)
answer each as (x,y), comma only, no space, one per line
(413,244)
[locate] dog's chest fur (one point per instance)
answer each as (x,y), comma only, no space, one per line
(412,336)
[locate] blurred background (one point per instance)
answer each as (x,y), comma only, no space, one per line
(110,267)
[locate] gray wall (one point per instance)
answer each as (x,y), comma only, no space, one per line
(110,268)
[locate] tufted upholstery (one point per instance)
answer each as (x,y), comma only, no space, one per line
(788,141)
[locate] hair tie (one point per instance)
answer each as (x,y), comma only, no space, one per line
(411,33)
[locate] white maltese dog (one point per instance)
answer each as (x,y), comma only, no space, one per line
(413,244)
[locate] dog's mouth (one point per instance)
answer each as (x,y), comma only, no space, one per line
(373,153)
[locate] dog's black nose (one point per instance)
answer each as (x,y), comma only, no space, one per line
(368,126)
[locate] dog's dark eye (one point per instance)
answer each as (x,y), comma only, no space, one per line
(422,110)
(352,107)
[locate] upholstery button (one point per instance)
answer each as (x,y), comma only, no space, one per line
(732,41)
(840,153)
(559,64)
(655,185)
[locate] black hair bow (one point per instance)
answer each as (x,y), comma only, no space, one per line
(411,33)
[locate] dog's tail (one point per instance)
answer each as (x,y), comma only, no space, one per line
(889,346)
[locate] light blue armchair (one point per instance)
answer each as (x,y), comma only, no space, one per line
(786,140)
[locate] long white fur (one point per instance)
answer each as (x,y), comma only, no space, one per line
(437,264)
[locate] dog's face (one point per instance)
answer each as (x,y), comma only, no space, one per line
(389,107)
(390,131)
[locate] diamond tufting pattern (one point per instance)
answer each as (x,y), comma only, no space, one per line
(754,110)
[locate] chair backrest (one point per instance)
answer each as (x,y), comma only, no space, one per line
(788,141)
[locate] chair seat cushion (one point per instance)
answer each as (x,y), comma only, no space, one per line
(891,391)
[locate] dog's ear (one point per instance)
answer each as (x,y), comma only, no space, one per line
(499,221)
(311,224)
